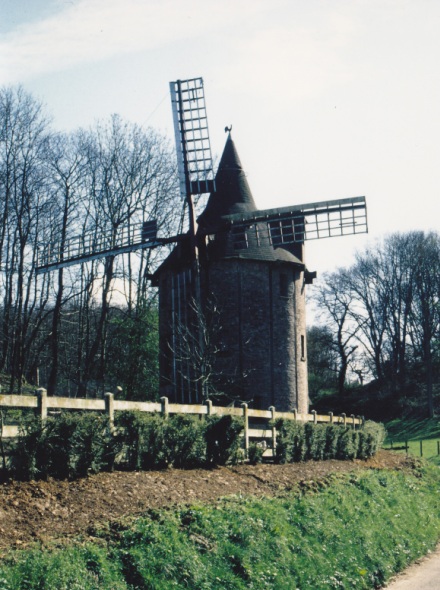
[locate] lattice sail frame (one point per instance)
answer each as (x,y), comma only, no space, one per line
(296,224)
(194,159)
(277,227)
(91,246)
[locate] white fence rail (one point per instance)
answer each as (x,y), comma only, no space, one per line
(43,405)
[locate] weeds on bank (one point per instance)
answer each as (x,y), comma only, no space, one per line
(353,532)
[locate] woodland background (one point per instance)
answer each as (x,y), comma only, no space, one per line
(82,330)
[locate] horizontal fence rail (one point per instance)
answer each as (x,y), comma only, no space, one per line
(265,434)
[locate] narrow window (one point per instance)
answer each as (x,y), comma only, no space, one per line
(284,287)
(303,348)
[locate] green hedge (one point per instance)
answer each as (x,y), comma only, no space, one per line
(74,445)
(66,447)
(299,441)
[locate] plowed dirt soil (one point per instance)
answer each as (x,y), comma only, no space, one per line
(53,510)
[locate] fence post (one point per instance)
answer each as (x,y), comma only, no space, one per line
(331,417)
(315,417)
(109,400)
(295,414)
(274,431)
(344,419)
(164,406)
(353,422)
(41,394)
(421,447)
(208,403)
(246,429)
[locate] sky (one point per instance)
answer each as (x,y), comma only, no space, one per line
(328,99)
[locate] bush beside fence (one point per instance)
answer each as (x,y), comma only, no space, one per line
(147,435)
(75,445)
(297,441)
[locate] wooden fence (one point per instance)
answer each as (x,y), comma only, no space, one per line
(258,424)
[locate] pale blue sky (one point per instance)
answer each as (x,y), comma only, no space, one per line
(328,99)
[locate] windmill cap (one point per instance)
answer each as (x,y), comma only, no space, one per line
(232,194)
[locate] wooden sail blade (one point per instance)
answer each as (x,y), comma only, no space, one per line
(91,246)
(296,224)
(193,148)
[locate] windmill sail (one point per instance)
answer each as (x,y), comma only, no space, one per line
(196,176)
(194,160)
(298,223)
(91,246)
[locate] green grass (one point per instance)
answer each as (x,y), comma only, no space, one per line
(351,531)
(413,431)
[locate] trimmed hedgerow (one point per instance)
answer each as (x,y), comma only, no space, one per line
(150,441)
(66,447)
(222,436)
(184,441)
(298,441)
(73,445)
(141,438)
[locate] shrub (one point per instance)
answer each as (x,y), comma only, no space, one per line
(28,454)
(315,439)
(297,441)
(255,453)
(371,440)
(348,444)
(142,439)
(92,447)
(185,442)
(222,436)
(65,447)
(332,433)
(150,441)
(291,442)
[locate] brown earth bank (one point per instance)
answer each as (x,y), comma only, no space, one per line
(46,511)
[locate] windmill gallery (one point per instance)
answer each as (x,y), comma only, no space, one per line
(232,291)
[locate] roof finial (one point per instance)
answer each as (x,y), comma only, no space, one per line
(228,129)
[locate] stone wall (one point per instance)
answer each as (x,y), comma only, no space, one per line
(259,335)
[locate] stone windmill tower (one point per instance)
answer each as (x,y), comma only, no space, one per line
(258,291)
(232,291)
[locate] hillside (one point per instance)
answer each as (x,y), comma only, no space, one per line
(50,510)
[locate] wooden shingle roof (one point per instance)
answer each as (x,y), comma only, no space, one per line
(232,195)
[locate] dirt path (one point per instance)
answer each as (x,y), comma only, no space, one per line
(424,574)
(47,510)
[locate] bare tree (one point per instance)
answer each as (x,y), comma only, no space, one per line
(130,180)
(425,318)
(67,165)
(24,137)
(334,302)
(390,300)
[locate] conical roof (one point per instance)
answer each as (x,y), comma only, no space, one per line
(232,194)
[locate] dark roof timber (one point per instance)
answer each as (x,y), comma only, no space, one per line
(232,195)
(231,199)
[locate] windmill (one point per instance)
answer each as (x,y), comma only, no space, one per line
(196,177)
(248,261)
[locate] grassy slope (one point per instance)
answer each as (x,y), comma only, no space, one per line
(412,431)
(351,532)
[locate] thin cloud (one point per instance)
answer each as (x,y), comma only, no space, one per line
(93,30)
(300,59)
